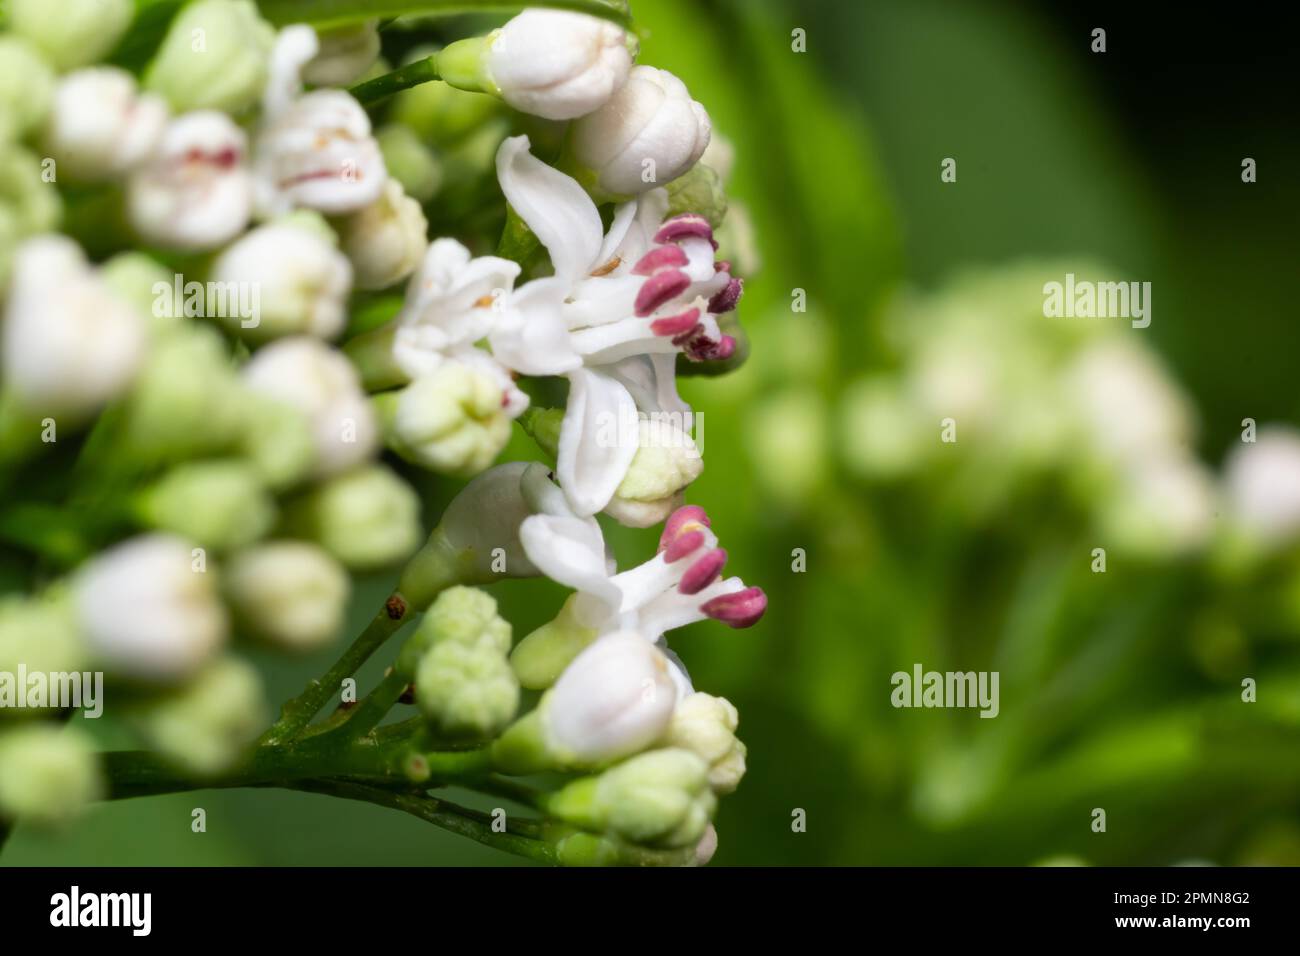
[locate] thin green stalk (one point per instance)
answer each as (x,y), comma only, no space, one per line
(297,713)
(441,813)
(413,74)
(367,715)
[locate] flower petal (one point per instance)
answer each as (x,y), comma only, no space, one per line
(594,452)
(570,551)
(529,334)
(554,206)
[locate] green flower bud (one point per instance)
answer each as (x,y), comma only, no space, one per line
(438,112)
(41,634)
(385,241)
(666,461)
(187,400)
(579,848)
(542,656)
(460,615)
(217,504)
(289,592)
(450,421)
(367,518)
(138,279)
(543,426)
(48,773)
(26,88)
(466,689)
(207,725)
(661,798)
(214,56)
(277,440)
(706,726)
(408,160)
(699,190)
(28,204)
(71,33)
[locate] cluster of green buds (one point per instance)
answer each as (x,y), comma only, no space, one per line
(237,363)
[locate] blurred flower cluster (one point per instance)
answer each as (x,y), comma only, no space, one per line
(250,299)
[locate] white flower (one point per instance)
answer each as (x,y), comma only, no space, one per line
(149,611)
(455,301)
(320,383)
(1162,507)
(385,241)
(634,298)
(300,281)
(615,699)
(195,191)
(346,53)
(647,134)
(289,592)
(678,586)
(101,125)
(70,345)
(313,150)
(557,64)
(1263,484)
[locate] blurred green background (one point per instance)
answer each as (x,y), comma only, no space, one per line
(1119,691)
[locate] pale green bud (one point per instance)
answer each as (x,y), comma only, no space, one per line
(661,798)
(217,504)
(542,656)
(698,191)
(666,461)
(466,689)
(386,240)
(215,56)
(71,33)
(208,724)
(48,773)
(277,439)
(367,518)
(460,615)
(346,54)
(40,633)
(32,203)
(438,112)
(187,400)
(706,726)
(408,160)
(138,279)
(450,421)
(288,592)
(26,88)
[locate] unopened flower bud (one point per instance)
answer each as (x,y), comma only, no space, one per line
(100,126)
(149,608)
(439,113)
(206,725)
(71,33)
(466,689)
(408,160)
(367,518)
(385,242)
(346,53)
(699,191)
(615,699)
(461,615)
(220,504)
(647,134)
(706,726)
(450,421)
(549,63)
(214,56)
(666,461)
(26,88)
(70,344)
(290,593)
(48,773)
(277,440)
(321,384)
(40,633)
(299,283)
(194,192)
(661,798)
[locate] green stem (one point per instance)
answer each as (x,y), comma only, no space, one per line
(413,74)
(297,713)
(377,704)
(441,813)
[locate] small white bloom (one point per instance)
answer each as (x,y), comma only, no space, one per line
(290,592)
(301,282)
(615,699)
(195,191)
(313,150)
(101,126)
(1161,508)
(322,384)
(557,64)
(1263,484)
(70,345)
(385,241)
(148,611)
(346,53)
(646,135)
